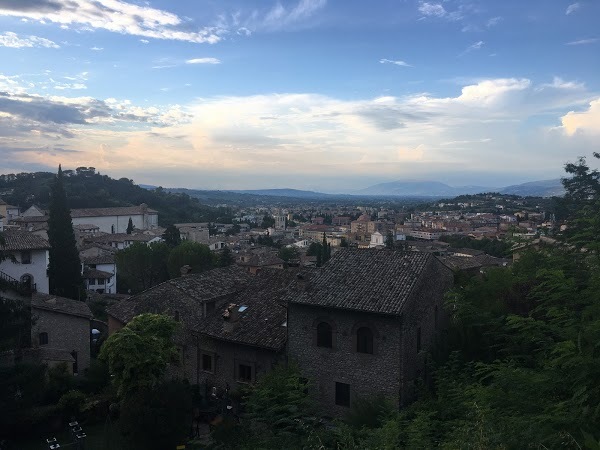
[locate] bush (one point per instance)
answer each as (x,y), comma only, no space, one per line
(71,403)
(370,413)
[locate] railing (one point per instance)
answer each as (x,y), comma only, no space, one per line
(23,288)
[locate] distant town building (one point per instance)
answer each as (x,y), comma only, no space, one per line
(116,220)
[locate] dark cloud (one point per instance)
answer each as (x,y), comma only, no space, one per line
(39,6)
(42,110)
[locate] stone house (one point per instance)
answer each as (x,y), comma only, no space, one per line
(30,253)
(100,272)
(61,331)
(359,326)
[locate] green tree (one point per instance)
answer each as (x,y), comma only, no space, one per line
(197,256)
(138,354)
(172,236)
(225,258)
(64,268)
(142,266)
(288,253)
(130,226)
(389,240)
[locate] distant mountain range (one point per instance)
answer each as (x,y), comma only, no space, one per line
(543,188)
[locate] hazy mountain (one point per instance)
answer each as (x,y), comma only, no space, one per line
(420,188)
(543,188)
(294,193)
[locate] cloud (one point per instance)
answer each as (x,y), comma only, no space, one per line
(260,137)
(583,122)
(559,83)
(144,41)
(583,41)
(475,46)
(396,62)
(493,21)
(279,17)
(572,8)
(113,15)
(12,40)
(437,10)
(97,49)
(203,61)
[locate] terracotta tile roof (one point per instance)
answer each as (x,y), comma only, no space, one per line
(460,262)
(60,305)
(185,294)
(261,311)
(108,258)
(23,240)
(95,273)
(30,219)
(369,280)
(262,260)
(116,211)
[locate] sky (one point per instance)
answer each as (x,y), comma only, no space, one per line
(326,95)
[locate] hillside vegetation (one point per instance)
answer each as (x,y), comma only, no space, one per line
(87,189)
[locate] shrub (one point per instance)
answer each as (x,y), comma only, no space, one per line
(72,403)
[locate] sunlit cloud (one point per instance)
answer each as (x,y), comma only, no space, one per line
(13,40)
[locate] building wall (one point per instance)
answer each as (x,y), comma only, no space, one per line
(65,332)
(226,357)
(114,325)
(367,375)
(37,268)
(106,223)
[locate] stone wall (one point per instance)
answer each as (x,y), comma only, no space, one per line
(367,375)
(65,332)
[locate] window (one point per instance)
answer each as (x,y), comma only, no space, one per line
(207,363)
(324,335)
(27,280)
(342,394)
(112,229)
(26,257)
(244,373)
(43,338)
(364,340)
(418,339)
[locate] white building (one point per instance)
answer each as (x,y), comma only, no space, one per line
(100,273)
(377,240)
(116,220)
(30,268)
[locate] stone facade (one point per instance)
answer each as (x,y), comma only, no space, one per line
(57,326)
(401,334)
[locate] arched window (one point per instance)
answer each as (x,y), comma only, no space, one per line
(43,338)
(324,335)
(27,281)
(364,340)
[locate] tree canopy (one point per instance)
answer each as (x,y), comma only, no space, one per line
(197,256)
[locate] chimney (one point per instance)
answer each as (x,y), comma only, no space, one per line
(230,317)
(302,281)
(185,269)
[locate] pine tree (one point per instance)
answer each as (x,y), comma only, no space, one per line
(171,236)
(130,226)
(64,269)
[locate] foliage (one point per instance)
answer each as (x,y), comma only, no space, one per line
(389,240)
(130,227)
(71,403)
(493,247)
(197,256)
(279,413)
(142,266)
(172,236)
(157,418)
(138,354)
(225,258)
(288,253)
(267,222)
(15,325)
(64,268)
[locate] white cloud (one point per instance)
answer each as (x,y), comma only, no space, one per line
(203,61)
(583,41)
(559,83)
(475,46)
(395,62)
(584,122)
(144,41)
(70,86)
(437,10)
(572,8)
(113,15)
(263,136)
(97,49)
(493,21)
(281,18)
(12,40)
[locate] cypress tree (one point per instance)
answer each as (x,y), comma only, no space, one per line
(130,226)
(64,270)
